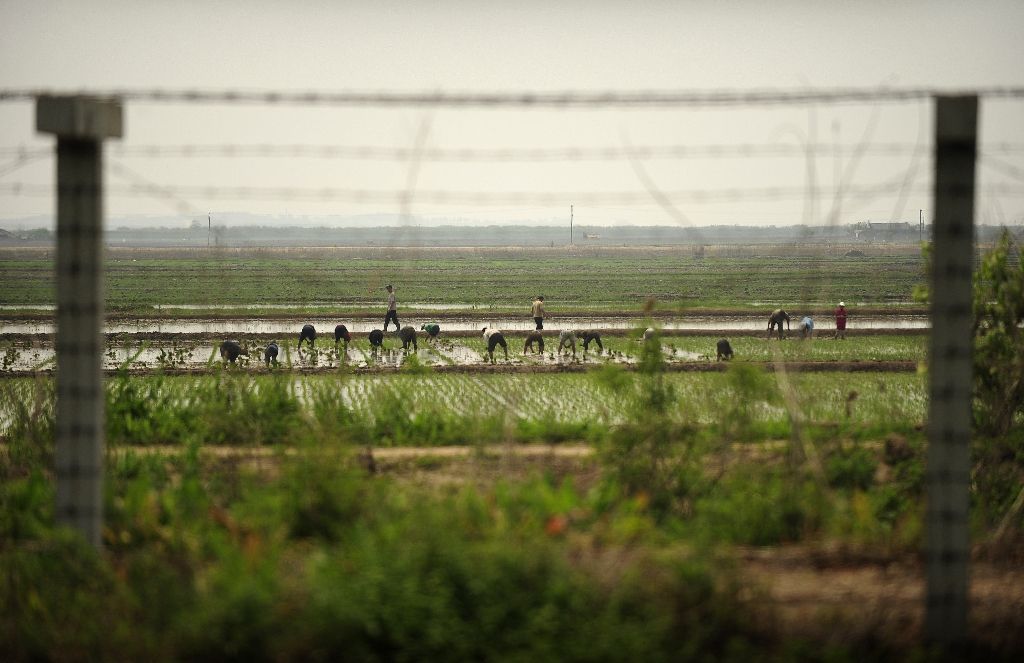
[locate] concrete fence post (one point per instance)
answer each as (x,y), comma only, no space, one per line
(80,124)
(950,372)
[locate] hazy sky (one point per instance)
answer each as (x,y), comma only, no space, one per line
(485,46)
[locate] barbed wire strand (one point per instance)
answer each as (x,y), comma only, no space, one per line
(157,191)
(468,198)
(383,153)
(20,162)
(496,154)
(914,165)
(850,170)
(523,99)
(1001,166)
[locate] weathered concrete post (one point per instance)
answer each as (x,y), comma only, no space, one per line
(950,357)
(80,124)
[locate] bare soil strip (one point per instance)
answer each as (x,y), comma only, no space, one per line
(841,597)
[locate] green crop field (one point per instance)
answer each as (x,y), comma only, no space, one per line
(569,283)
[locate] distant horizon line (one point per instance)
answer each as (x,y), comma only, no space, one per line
(560,228)
(24,224)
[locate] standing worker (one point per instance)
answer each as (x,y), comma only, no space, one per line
(538,312)
(840,315)
(392,309)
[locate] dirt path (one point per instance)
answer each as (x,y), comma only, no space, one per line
(837,598)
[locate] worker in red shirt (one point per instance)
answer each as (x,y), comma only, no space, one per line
(840,315)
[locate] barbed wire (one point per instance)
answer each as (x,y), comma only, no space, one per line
(181,205)
(357,152)
(482,198)
(493,154)
(1001,166)
(524,99)
(503,154)
(23,159)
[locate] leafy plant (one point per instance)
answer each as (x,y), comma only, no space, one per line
(998,339)
(853,469)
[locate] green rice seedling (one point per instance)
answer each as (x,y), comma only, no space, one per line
(10,358)
(28,416)
(235,407)
(749,390)
(148,411)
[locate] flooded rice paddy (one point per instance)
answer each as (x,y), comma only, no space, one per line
(869,352)
(192,344)
(289,327)
(39,357)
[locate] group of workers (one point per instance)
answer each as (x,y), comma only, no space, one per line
(567,339)
(806,327)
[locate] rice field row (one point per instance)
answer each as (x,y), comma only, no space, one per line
(36,356)
(703,398)
(433,400)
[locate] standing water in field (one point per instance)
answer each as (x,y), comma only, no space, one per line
(747,323)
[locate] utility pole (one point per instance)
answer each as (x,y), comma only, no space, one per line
(570,225)
(920,226)
(80,124)
(947,465)
(209,229)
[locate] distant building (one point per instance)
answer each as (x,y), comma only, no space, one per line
(884,231)
(591,236)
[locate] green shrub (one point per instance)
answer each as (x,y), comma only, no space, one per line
(760,506)
(851,469)
(650,455)
(998,340)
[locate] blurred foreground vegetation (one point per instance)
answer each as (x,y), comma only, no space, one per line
(316,552)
